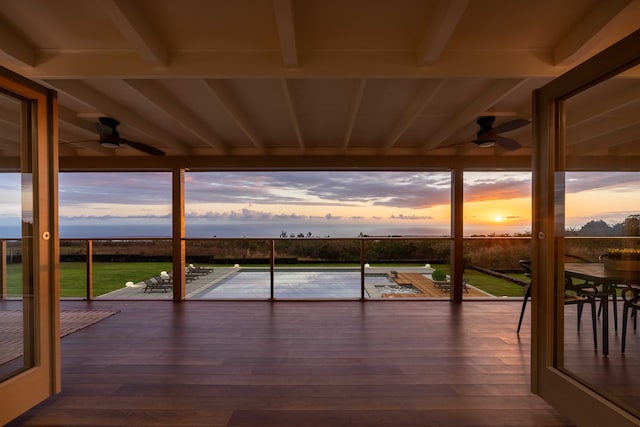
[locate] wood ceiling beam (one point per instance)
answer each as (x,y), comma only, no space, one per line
(579,42)
(167,102)
(90,96)
(293,115)
(356,101)
(442,23)
(71,119)
(295,163)
(624,148)
(429,90)
(335,64)
(615,100)
(469,113)
(327,163)
(612,138)
(286,32)
(220,91)
(603,128)
(134,25)
(11,134)
(16,48)
(10,116)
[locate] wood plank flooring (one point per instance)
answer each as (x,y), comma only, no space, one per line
(262,364)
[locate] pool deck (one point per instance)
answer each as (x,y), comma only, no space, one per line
(427,288)
(193,287)
(199,285)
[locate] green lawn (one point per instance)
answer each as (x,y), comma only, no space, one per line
(491,284)
(107,276)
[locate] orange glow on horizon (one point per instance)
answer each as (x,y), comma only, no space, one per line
(499,213)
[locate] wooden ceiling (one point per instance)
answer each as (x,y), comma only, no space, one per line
(312,83)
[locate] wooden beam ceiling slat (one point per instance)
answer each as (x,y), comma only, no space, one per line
(583,36)
(134,25)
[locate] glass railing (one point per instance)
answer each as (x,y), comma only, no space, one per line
(298,268)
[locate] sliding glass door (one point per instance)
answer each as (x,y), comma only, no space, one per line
(586,170)
(29,349)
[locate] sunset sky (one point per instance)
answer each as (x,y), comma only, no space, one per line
(340,204)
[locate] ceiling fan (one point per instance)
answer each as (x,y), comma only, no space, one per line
(110,137)
(488,136)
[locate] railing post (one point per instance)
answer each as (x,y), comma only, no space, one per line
(3,270)
(362,269)
(272,269)
(89,250)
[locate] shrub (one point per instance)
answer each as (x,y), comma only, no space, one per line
(439,275)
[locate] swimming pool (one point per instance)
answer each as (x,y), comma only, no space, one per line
(294,284)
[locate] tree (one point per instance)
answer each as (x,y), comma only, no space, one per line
(596,228)
(632,225)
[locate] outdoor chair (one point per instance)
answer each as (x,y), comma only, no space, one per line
(613,291)
(157,283)
(631,298)
(445,286)
(569,299)
(196,269)
(193,272)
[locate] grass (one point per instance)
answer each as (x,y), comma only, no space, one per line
(109,276)
(490,284)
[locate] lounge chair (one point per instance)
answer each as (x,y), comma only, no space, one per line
(158,283)
(193,272)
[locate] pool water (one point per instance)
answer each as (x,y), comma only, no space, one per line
(306,284)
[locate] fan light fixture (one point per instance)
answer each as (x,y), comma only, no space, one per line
(109,144)
(487,143)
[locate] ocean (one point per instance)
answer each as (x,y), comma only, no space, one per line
(257,230)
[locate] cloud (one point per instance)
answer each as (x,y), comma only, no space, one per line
(577,182)
(410,190)
(411,217)
(130,188)
(399,189)
(484,186)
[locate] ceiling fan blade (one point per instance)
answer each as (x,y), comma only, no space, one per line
(511,125)
(143,147)
(507,143)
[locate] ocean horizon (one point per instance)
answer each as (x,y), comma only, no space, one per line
(257,230)
(252,230)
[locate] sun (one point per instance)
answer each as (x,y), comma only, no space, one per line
(499,218)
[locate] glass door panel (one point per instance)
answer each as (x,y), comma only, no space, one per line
(29,355)
(601,212)
(586,169)
(16,338)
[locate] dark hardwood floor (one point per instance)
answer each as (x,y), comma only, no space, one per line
(387,363)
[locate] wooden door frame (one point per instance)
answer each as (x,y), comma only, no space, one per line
(583,405)
(33,385)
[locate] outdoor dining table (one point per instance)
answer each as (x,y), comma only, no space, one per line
(596,274)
